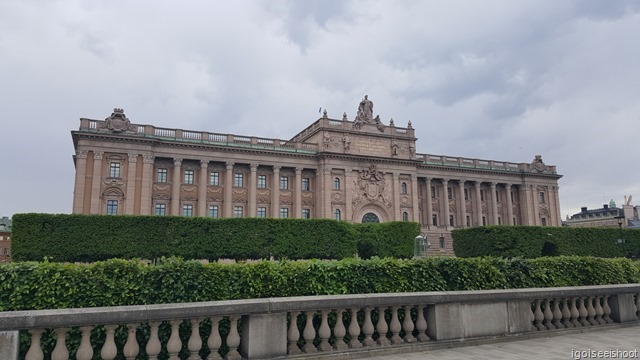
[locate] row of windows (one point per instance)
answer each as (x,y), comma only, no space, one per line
(238,179)
(238,211)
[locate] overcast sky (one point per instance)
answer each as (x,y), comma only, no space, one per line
(502,80)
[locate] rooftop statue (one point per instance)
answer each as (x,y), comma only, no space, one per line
(365,113)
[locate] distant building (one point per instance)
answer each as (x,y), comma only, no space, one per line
(5,239)
(358,171)
(608,216)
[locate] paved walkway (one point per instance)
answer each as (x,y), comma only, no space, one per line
(556,347)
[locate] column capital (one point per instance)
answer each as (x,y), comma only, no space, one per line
(253,167)
(493,184)
(81,154)
(414,177)
(276,168)
(445,180)
(133,158)
(177,161)
(230,165)
(327,171)
(148,159)
(478,182)
(204,163)
(462,181)
(97,155)
(395,176)
(298,170)
(507,186)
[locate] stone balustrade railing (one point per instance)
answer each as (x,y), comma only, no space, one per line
(460,162)
(333,124)
(323,325)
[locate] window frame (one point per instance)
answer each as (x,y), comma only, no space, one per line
(284,182)
(238,180)
(262,182)
(213,211)
(214,178)
(160,209)
(337,215)
(336,184)
(187,210)
(189,177)
(306,184)
(162,175)
(403,188)
(112,207)
(261,212)
(114,169)
(238,212)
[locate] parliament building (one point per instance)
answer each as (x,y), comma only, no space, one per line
(356,171)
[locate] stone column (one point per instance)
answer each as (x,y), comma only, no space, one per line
(429,209)
(533,206)
(228,191)
(558,218)
(253,185)
(96,183)
(462,207)
(552,207)
(328,186)
(414,198)
(348,191)
(130,196)
(202,188)
(147,185)
(445,203)
(297,194)
(396,197)
(175,186)
(507,189)
(494,203)
(478,204)
(81,176)
(275,193)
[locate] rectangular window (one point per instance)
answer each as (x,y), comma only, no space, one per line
(451,223)
(498,196)
(306,213)
(262,181)
(449,193)
(514,221)
(481,195)
(466,194)
(161,176)
(114,170)
(468,220)
(188,177)
(433,192)
(541,197)
(213,211)
(187,210)
(238,180)
(484,221)
(284,213)
(512,197)
(262,212)
(238,211)
(434,220)
(499,220)
(284,182)
(543,221)
(214,178)
(305,184)
(161,209)
(112,207)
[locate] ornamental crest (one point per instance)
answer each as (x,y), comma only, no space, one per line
(117,122)
(539,166)
(371,186)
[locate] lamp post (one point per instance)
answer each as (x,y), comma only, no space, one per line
(620,221)
(420,246)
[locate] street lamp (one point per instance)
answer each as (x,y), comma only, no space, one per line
(420,247)
(620,221)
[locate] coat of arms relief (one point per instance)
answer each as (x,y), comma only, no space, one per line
(370,186)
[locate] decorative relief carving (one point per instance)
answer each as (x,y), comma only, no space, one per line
(371,186)
(214,190)
(537,165)
(485,210)
(337,196)
(452,206)
(435,204)
(188,188)
(188,198)
(81,154)
(114,182)
(468,205)
(133,158)
(157,187)
(404,200)
(239,191)
(499,208)
(97,155)
(117,122)
(161,197)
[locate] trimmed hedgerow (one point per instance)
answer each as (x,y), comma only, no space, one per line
(390,239)
(536,241)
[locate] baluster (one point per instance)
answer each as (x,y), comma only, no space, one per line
(367,328)
(557,315)
(131,348)
(591,311)
(109,350)
(233,340)
(539,316)
(293,334)
(566,314)
(309,334)
(339,332)
(35,350)
(195,341)
(407,325)
(638,305)
(606,310)
(421,324)
(153,346)
(575,314)
(548,315)
(583,312)
(599,311)
(85,351)
(215,341)
(324,332)
(60,352)
(382,328)
(395,326)
(174,345)
(354,330)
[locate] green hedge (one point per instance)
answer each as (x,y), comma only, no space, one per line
(536,241)
(48,285)
(86,238)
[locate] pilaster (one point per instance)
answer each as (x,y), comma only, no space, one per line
(494,203)
(297,189)
(81,177)
(253,185)
(445,202)
(429,204)
(95,183)
(507,188)
(414,198)
(131,184)
(202,188)
(478,203)
(275,192)
(147,185)
(175,186)
(228,190)
(462,204)
(396,197)
(348,190)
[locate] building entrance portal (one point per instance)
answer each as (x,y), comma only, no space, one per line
(370,218)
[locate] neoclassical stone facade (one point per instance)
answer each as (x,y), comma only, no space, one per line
(361,170)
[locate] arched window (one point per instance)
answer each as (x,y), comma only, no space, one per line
(403,187)
(336,214)
(336,184)
(405,216)
(370,218)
